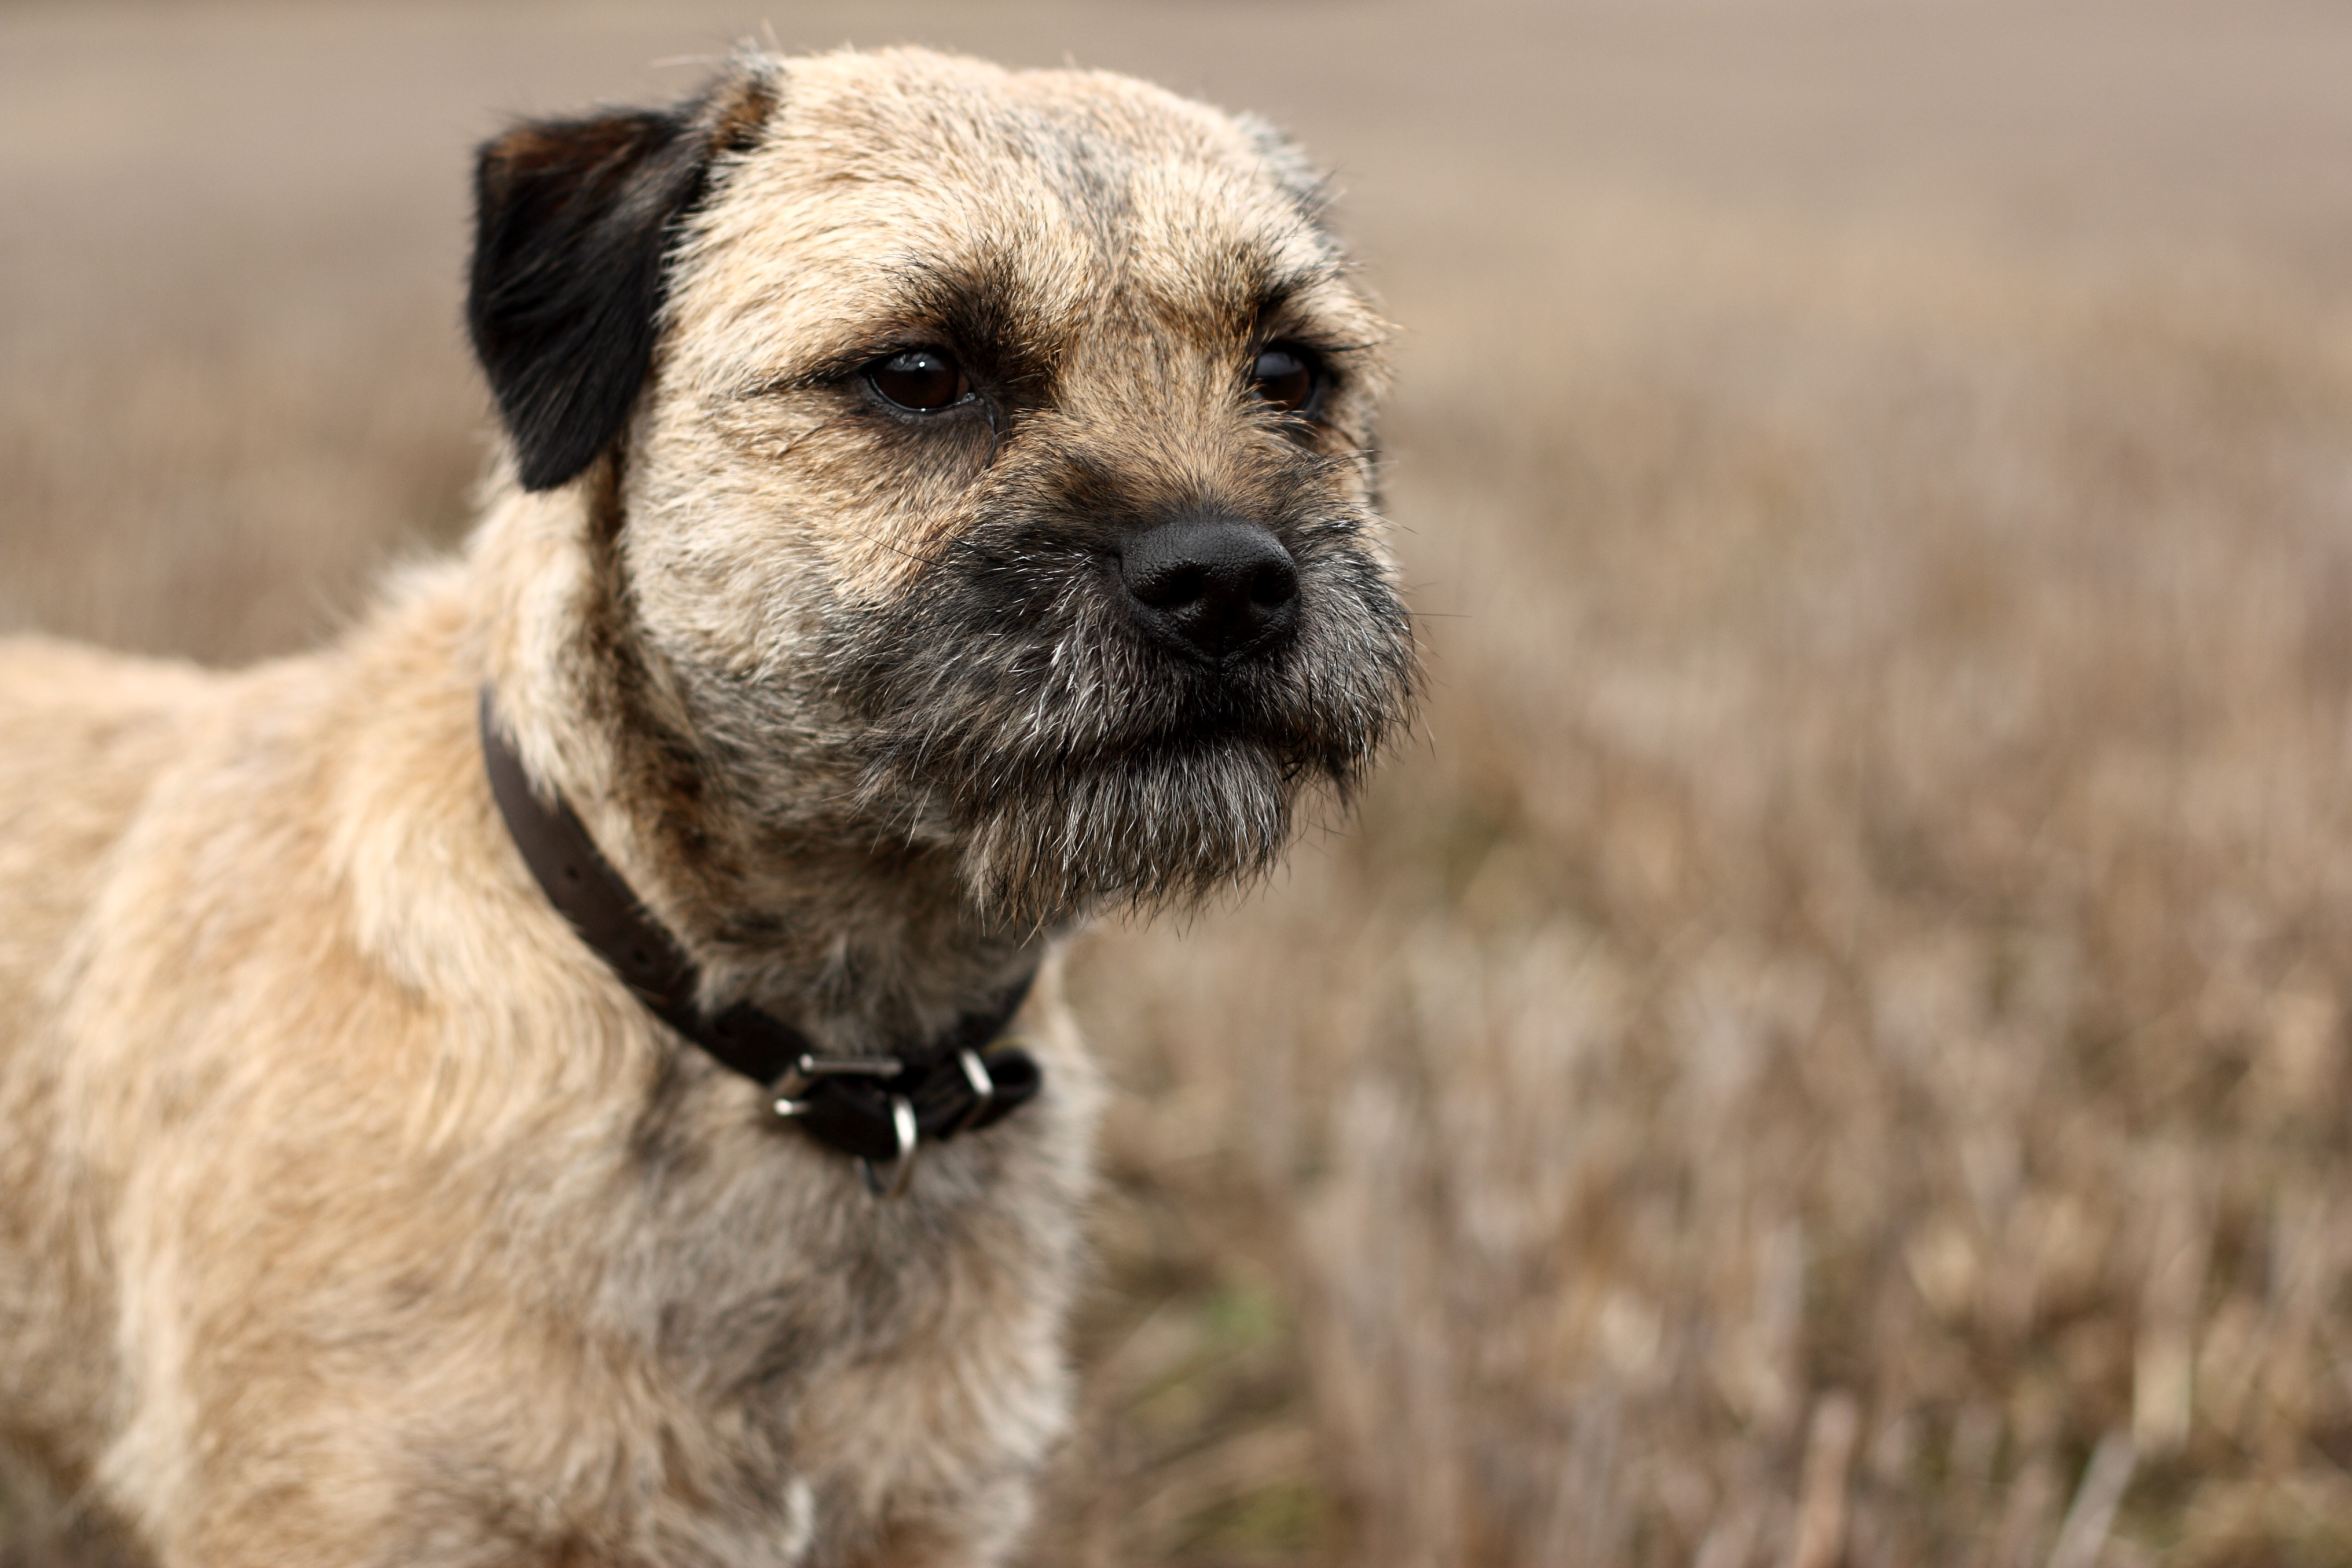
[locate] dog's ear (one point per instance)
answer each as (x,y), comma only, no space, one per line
(574,220)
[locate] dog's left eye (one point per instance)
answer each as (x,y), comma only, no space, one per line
(1287,378)
(919,379)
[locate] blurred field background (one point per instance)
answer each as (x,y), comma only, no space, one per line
(1830,1045)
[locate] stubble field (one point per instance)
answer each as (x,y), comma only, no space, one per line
(1828,1045)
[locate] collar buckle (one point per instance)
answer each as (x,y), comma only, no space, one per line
(809,1070)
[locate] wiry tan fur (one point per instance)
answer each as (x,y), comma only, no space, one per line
(351,1210)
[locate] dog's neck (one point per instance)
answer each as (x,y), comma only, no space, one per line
(857,935)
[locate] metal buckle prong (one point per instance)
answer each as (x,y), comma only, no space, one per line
(902,1169)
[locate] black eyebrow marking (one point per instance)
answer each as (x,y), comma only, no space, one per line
(973,309)
(975,302)
(1279,290)
(1283,316)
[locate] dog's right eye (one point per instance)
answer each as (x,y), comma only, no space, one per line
(919,379)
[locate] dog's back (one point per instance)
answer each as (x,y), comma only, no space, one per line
(82,734)
(83,737)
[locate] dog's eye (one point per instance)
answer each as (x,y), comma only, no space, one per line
(921,379)
(1287,378)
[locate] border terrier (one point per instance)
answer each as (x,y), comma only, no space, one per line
(555,1077)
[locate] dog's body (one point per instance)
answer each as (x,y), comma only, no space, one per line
(352,1208)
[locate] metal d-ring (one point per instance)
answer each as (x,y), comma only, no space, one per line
(902,1169)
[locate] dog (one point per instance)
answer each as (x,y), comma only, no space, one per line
(574,1074)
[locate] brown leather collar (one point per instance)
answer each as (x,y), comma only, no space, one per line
(877,1108)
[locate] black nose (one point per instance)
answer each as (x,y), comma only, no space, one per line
(1210,586)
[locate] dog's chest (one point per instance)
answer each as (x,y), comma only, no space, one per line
(826,1356)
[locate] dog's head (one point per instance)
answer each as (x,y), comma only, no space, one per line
(989,456)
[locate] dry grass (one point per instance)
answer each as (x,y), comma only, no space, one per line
(1844,1013)
(1831,1047)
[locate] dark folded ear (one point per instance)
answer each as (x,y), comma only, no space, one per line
(573,221)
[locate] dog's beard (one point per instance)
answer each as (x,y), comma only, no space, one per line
(1079,766)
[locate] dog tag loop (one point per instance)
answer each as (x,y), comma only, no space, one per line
(902,1169)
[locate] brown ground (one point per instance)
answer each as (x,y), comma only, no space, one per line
(1830,1046)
